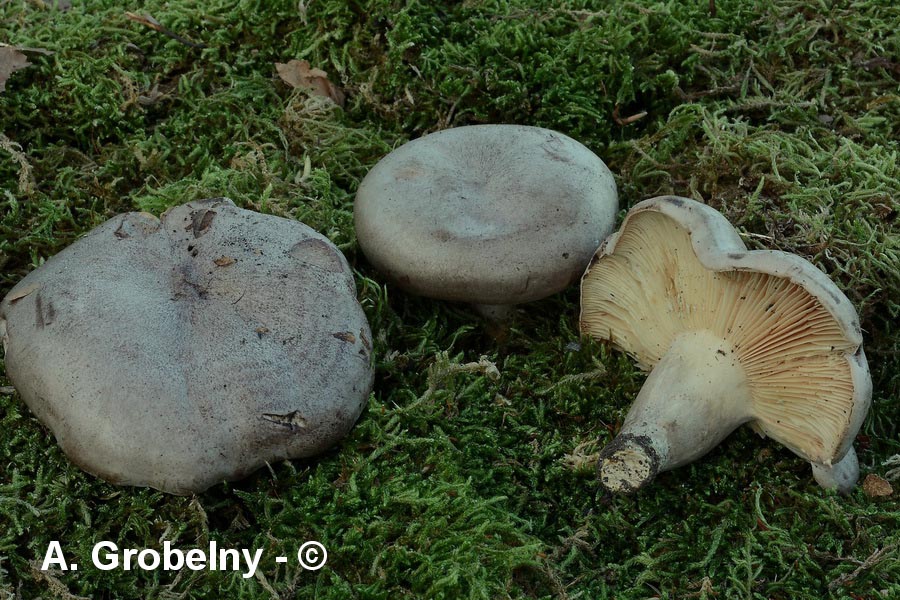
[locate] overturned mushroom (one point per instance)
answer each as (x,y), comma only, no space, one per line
(183,351)
(492,215)
(732,336)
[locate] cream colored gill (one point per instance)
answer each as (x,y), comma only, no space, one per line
(653,287)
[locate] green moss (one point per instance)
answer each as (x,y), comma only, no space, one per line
(461,481)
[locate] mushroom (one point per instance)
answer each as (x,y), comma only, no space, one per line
(492,215)
(730,336)
(183,351)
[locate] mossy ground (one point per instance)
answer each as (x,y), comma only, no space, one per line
(459,482)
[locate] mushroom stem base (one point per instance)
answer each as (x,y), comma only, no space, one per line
(628,463)
(841,476)
(695,396)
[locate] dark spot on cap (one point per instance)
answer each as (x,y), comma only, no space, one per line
(45,313)
(318,254)
(120,231)
(554,154)
(345,336)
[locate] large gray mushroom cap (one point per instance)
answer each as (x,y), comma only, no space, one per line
(486,214)
(183,351)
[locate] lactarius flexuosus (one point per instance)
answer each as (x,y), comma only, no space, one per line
(491,215)
(730,336)
(183,351)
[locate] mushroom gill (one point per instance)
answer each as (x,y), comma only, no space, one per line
(652,287)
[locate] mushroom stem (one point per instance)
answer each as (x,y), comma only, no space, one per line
(841,476)
(695,396)
(494,312)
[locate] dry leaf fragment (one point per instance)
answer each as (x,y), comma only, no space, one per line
(11,59)
(28,289)
(299,74)
(877,487)
(224,261)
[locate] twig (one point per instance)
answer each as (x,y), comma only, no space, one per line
(875,558)
(625,121)
(768,238)
(155,25)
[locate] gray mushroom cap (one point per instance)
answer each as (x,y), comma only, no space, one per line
(486,214)
(180,352)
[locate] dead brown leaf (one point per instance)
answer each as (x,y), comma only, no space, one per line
(18,295)
(299,74)
(11,60)
(876,487)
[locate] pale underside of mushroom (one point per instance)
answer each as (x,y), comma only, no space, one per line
(731,337)
(183,351)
